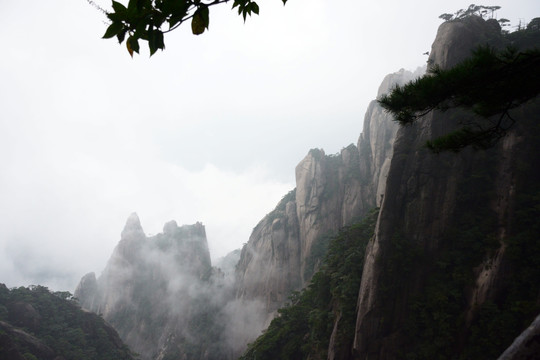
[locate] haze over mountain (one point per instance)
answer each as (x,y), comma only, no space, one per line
(447,229)
(198,132)
(153,288)
(383,250)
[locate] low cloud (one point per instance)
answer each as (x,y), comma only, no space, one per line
(65,221)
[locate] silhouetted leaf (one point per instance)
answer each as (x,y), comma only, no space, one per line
(200,20)
(121,35)
(113,30)
(155,41)
(132,45)
(118,8)
(255,8)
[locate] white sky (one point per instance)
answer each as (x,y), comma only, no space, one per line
(209,130)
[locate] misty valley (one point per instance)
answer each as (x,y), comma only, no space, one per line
(385,250)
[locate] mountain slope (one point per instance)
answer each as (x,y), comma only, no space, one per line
(38,324)
(318,323)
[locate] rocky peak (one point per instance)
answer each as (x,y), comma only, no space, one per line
(400,77)
(151,287)
(133,228)
(170,228)
(455,40)
(188,246)
(87,291)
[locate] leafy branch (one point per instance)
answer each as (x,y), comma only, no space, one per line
(149,20)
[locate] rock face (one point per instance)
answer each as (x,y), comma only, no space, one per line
(456,39)
(227,264)
(331,191)
(429,206)
(269,266)
(156,290)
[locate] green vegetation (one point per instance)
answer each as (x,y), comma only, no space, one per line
(149,20)
(57,320)
(316,254)
(472,10)
(303,328)
(488,85)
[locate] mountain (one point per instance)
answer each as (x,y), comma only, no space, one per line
(447,268)
(164,297)
(332,191)
(323,313)
(450,270)
(161,292)
(38,324)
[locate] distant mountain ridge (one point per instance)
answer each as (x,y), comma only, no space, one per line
(161,292)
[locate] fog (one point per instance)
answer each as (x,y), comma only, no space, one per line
(160,292)
(209,130)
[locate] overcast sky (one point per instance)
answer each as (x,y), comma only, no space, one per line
(209,130)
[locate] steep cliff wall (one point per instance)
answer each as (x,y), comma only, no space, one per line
(269,266)
(438,266)
(332,191)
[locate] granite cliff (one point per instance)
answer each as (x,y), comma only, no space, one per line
(160,292)
(440,263)
(332,191)
(450,269)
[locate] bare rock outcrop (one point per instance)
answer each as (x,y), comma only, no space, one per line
(455,40)
(271,259)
